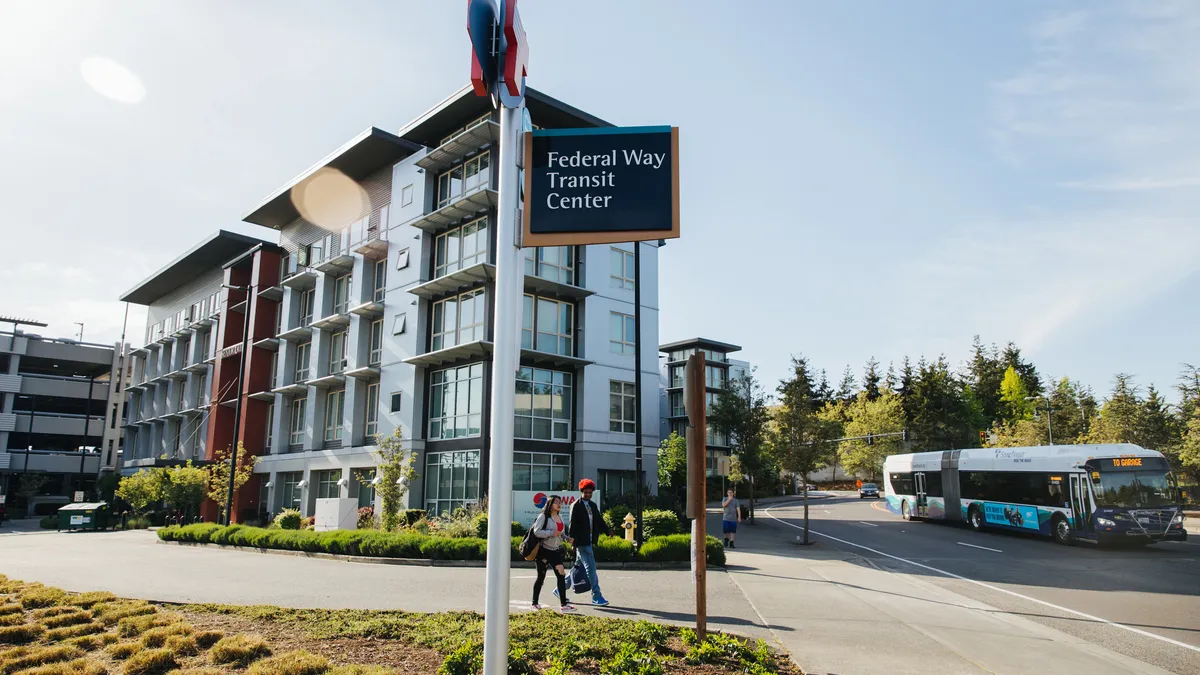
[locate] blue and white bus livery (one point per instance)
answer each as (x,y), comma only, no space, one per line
(1093,493)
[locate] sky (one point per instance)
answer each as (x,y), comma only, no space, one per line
(859,179)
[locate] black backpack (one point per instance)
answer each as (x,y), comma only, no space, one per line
(530,545)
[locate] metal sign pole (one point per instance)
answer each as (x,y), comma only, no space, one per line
(505,360)
(637,389)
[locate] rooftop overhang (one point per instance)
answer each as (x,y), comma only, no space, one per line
(699,343)
(363,155)
(463,105)
(211,253)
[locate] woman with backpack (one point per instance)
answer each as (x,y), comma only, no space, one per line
(550,529)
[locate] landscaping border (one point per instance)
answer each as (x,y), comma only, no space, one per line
(423,562)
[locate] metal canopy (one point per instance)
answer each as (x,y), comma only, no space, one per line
(468,143)
(455,281)
(554,289)
(457,353)
(462,208)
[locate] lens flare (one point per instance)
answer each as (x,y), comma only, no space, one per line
(112,80)
(330,199)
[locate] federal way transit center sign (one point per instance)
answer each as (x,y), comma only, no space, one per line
(601,185)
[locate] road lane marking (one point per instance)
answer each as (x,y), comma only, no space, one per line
(982,547)
(952,575)
(877,505)
(868,524)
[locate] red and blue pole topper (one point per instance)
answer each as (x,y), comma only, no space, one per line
(499,50)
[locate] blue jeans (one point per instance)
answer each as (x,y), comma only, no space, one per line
(588,558)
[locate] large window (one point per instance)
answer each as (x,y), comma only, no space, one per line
(471,175)
(621,333)
(327,484)
(375,355)
(270,427)
(299,409)
(541,471)
(456,402)
(615,484)
(554,322)
(380,280)
(458,320)
(451,480)
(308,301)
(303,350)
(366,491)
(675,400)
(621,409)
(460,248)
(290,490)
(1020,487)
(341,294)
(716,377)
(543,405)
(337,352)
(556,263)
(371,424)
(335,407)
(621,270)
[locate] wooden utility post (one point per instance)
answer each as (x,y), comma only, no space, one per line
(697,437)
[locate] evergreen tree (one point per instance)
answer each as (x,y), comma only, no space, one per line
(940,419)
(848,387)
(870,383)
(823,392)
(1156,427)
(1188,386)
(1189,448)
(1011,358)
(905,390)
(986,374)
(1118,418)
(889,381)
(1013,394)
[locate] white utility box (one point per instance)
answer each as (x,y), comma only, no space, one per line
(336,514)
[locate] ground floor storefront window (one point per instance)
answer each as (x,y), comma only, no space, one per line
(614,484)
(451,480)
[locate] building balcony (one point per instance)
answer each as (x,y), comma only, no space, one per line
(461,146)
(457,353)
(240,307)
(456,281)
(142,351)
(267,396)
(369,373)
(536,358)
(554,289)
(335,256)
(184,328)
(270,344)
(297,334)
(293,389)
(463,207)
(271,293)
(300,278)
(328,381)
(180,374)
(370,309)
(196,367)
(332,321)
(369,242)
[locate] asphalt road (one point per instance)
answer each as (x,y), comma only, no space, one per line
(1141,602)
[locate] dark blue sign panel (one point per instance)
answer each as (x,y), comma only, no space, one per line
(601,185)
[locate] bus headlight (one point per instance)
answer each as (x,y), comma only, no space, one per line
(1105,522)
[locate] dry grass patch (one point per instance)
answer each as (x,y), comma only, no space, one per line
(66,632)
(112,612)
(47,612)
(90,599)
(299,662)
(76,667)
(134,626)
(93,642)
(30,658)
(43,596)
(22,634)
(123,650)
(10,608)
(151,662)
(208,638)
(182,645)
(11,619)
(362,670)
(239,650)
(157,637)
(67,618)
(199,671)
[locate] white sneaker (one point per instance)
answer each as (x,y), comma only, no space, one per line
(567,608)
(536,606)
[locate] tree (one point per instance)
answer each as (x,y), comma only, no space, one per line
(1189,449)
(986,373)
(1188,386)
(1011,358)
(1156,427)
(822,392)
(740,413)
(184,489)
(218,476)
(672,462)
(889,381)
(864,416)
(847,388)
(905,390)
(938,416)
(1118,418)
(396,471)
(870,383)
(802,439)
(141,489)
(1013,393)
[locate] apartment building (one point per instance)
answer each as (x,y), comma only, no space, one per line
(385,316)
(180,374)
(719,371)
(61,415)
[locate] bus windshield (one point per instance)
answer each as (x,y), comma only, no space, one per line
(1134,489)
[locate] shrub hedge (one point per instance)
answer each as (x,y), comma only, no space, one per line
(672,548)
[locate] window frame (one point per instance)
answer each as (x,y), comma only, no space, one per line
(303,365)
(625,397)
(341,293)
(438,330)
(619,257)
(299,410)
(269,436)
(458,495)
(379,280)
(335,427)
(561,422)
(445,398)
(326,482)
(308,306)
(375,343)
(537,264)
(371,415)
(626,324)
(529,466)
(337,351)
(478,232)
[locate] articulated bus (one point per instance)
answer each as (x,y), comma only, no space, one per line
(1093,493)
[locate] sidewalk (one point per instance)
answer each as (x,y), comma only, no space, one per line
(844,615)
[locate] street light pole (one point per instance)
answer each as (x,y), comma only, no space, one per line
(1049,415)
(237,408)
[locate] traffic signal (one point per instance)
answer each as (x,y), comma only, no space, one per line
(904,435)
(983,438)
(870,439)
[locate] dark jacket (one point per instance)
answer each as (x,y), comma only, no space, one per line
(579,530)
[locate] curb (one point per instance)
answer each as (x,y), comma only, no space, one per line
(421,562)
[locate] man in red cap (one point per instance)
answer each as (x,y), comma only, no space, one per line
(585,528)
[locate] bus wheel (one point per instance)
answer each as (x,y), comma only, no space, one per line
(975,518)
(1062,531)
(904,513)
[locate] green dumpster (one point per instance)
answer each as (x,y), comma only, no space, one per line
(84,516)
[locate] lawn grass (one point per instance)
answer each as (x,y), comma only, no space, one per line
(56,633)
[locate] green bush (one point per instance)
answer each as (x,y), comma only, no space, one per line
(412,516)
(614,516)
(466,660)
(481,527)
(289,519)
(632,661)
(658,523)
(613,550)
(679,547)
(49,523)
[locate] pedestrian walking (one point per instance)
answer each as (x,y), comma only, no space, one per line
(585,527)
(731,515)
(550,530)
